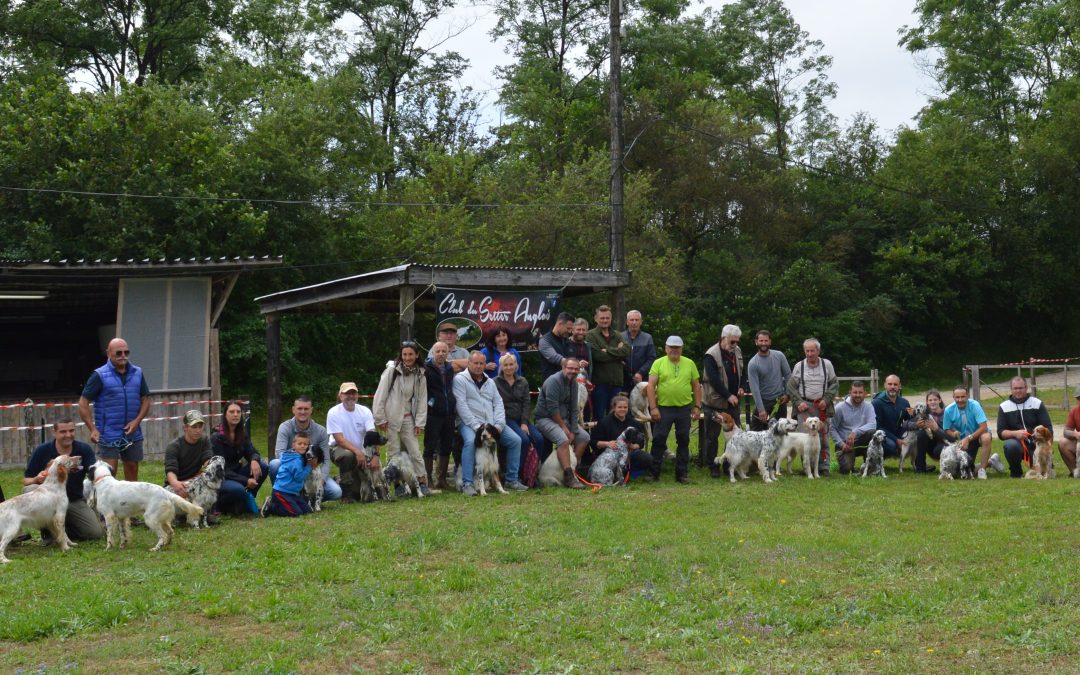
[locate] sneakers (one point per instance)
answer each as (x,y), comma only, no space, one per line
(425,491)
(468,490)
(430,490)
(516,486)
(982,474)
(995,462)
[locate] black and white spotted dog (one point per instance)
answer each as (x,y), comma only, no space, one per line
(613,464)
(314,484)
(399,471)
(373,483)
(203,489)
(874,465)
(909,442)
(753,446)
(955,463)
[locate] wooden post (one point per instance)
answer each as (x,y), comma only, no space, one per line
(273,381)
(875,381)
(215,365)
(406,315)
(975,381)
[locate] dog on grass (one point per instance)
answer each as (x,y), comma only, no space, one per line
(372,483)
(485,461)
(753,446)
(399,471)
(806,445)
(551,472)
(909,442)
(119,501)
(44,507)
(203,489)
(874,464)
(955,463)
(314,484)
(613,464)
(1042,460)
(639,408)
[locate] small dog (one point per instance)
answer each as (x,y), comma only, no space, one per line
(203,489)
(399,471)
(805,445)
(485,461)
(874,464)
(118,501)
(955,463)
(750,446)
(1042,461)
(44,507)
(612,466)
(373,483)
(315,482)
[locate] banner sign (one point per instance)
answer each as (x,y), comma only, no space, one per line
(525,314)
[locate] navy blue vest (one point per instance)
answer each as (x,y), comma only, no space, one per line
(118,403)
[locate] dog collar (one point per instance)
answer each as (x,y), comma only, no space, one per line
(101,478)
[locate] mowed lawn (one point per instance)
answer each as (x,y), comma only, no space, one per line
(840,574)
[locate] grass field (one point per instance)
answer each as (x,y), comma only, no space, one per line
(841,574)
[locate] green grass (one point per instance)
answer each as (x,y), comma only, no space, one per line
(841,574)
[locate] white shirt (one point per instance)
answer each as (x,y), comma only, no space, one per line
(352,425)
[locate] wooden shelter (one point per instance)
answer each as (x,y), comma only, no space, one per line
(403,290)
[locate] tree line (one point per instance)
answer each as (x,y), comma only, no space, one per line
(330,131)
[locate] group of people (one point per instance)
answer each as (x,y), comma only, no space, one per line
(449,396)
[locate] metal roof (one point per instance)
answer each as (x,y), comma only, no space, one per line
(118,267)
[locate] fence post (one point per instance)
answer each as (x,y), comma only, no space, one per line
(976,380)
(1065,394)
(874,382)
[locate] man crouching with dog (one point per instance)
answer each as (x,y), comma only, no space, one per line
(82,523)
(185,456)
(346,424)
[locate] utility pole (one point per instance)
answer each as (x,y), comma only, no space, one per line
(618,253)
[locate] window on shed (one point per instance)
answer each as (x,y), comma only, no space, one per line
(166,323)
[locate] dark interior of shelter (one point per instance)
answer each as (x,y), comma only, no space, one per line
(51,338)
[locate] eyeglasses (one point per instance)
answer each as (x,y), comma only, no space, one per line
(122,352)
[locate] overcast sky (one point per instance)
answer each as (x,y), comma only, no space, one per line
(871,72)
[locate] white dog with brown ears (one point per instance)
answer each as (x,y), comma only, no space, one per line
(44,507)
(119,501)
(1042,460)
(806,445)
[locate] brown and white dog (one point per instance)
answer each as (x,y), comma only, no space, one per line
(1042,461)
(119,501)
(44,507)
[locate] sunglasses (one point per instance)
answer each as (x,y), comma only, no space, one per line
(122,352)
(409,343)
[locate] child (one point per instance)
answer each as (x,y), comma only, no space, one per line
(287,497)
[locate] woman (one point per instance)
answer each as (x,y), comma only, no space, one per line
(401,408)
(498,346)
(933,440)
(514,391)
(244,469)
(608,430)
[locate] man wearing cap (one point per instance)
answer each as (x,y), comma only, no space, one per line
(346,423)
(185,456)
(1067,445)
(320,440)
(121,400)
(458,357)
(674,385)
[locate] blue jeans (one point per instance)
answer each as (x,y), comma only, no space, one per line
(508,439)
(231,497)
(331,490)
(534,437)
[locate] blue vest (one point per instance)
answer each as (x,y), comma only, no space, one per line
(118,403)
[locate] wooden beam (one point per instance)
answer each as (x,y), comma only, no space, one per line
(215,365)
(230,283)
(406,315)
(273,381)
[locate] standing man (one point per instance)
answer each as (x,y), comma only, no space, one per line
(185,455)
(457,356)
(1018,416)
(723,383)
(609,354)
(479,403)
(811,387)
(439,431)
(81,523)
(852,427)
(121,399)
(673,385)
(892,411)
(346,424)
(965,422)
(767,373)
(319,439)
(555,346)
(557,419)
(642,350)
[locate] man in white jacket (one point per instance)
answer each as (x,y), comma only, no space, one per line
(852,426)
(479,403)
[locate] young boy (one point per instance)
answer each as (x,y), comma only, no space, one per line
(287,498)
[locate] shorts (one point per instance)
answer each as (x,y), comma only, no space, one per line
(132,453)
(555,434)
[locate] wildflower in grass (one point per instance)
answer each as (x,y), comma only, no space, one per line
(929,650)
(783,582)
(877,651)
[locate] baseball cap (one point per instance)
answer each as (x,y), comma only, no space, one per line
(193,417)
(447,325)
(674,341)
(347,386)
(1076,394)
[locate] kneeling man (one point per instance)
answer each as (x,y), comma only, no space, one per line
(82,523)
